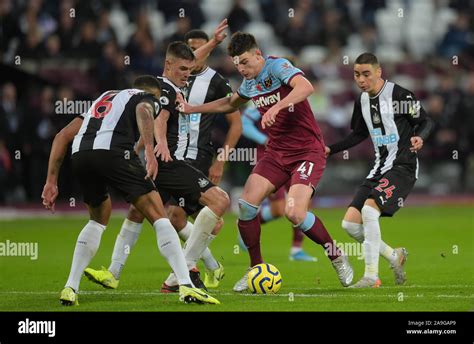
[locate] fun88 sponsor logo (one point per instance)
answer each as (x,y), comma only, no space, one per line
(382,140)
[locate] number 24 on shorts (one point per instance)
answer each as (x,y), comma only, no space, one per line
(383,183)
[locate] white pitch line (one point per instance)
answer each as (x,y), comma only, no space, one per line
(143,293)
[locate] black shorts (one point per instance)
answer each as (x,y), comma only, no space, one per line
(99,169)
(182,184)
(202,165)
(389,191)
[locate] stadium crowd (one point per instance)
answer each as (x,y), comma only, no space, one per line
(61,51)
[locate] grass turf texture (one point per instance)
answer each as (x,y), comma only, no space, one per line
(440,268)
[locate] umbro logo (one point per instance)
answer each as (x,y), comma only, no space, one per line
(203,182)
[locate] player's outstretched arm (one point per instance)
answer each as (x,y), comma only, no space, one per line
(56,157)
(302,89)
(216,171)
(353,139)
(145,112)
(222,105)
(219,35)
(161,127)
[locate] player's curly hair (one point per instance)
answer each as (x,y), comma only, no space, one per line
(240,42)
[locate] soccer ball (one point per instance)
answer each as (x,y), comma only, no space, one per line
(264,279)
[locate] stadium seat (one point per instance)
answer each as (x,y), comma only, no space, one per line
(157,22)
(213,9)
(312,54)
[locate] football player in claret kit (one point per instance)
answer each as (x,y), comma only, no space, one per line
(295,150)
(275,207)
(103,157)
(398,126)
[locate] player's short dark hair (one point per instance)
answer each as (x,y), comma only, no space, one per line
(180,50)
(240,42)
(196,34)
(146,81)
(367,58)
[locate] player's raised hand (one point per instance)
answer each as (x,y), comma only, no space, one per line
(219,32)
(416,143)
(269,117)
(151,165)
(49,195)
(162,150)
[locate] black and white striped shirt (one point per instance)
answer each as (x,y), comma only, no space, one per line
(110,123)
(390,118)
(189,136)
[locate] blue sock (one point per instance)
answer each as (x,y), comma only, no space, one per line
(266,213)
(308,222)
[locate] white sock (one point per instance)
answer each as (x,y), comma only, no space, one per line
(87,244)
(186,231)
(199,238)
(387,252)
(356,230)
(171,280)
(209,261)
(295,249)
(370,219)
(170,248)
(124,243)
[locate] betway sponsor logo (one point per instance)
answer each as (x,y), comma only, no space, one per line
(267,100)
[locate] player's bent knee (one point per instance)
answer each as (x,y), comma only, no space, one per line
(216,199)
(177,220)
(355,230)
(294,215)
(247,211)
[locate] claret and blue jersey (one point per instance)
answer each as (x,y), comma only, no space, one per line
(296,124)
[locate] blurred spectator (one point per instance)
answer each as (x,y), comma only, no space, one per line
(178,9)
(53,48)
(9,29)
(333,29)
(65,30)
(105,33)
(87,47)
(183,25)
(457,38)
(238,17)
(12,136)
(300,29)
(465,125)
(40,131)
(31,47)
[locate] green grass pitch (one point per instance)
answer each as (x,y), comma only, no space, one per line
(440,268)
